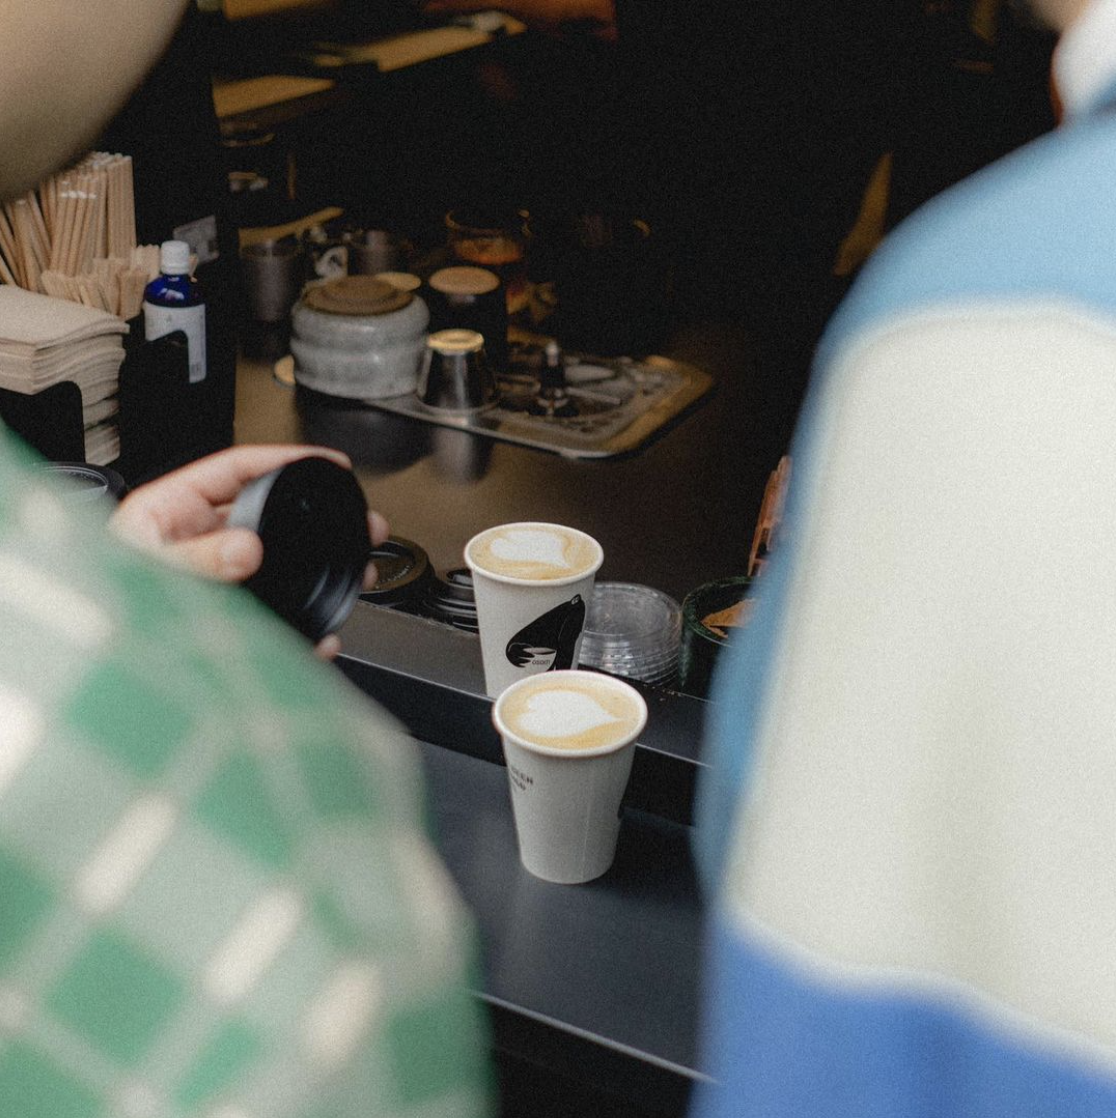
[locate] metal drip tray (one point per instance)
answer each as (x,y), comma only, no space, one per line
(620,402)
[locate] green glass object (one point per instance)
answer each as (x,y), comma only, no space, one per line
(701,645)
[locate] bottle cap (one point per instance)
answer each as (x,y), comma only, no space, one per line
(174,258)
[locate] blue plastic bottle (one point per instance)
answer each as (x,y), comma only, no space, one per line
(174,301)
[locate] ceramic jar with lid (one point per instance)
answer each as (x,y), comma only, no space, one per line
(358,337)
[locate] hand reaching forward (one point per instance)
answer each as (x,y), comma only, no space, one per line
(181,517)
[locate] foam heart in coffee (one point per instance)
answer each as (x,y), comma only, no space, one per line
(531,545)
(557,713)
(536,552)
(561,712)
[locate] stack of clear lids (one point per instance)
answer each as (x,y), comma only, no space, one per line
(632,631)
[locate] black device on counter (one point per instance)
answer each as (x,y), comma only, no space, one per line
(313,520)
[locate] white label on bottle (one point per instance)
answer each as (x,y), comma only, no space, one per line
(158,321)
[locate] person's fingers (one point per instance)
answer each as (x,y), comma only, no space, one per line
(378,528)
(230,555)
(219,477)
(163,511)
(195,498)
(328,647)
(371,577)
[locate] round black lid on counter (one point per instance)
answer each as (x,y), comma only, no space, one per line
(401,567)
(450,599)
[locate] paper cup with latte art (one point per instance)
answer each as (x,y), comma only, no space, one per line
(533,583)
(569,738)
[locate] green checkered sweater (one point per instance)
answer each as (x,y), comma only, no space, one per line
(217,899)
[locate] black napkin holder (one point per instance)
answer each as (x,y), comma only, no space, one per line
(164,420)
(158,425)
(50,421)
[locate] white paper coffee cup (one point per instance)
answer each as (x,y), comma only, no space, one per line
(533,583)
(569,739)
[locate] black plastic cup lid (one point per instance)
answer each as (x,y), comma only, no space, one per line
(401,568)
(450,599)
(313,520)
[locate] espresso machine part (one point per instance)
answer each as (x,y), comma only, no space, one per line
(553,399)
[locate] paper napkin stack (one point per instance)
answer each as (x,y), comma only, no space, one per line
(44,341)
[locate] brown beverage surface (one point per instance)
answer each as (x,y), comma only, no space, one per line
(560,713)
(537,552)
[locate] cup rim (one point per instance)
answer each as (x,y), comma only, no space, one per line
(272,248)
(570,754)
(690,618)
(502,222)
(514,580)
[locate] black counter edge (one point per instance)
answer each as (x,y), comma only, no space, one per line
(657,1087)
(429,676)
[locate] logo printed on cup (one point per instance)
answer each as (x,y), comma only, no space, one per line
(549,641)
(532,583)
(519,778)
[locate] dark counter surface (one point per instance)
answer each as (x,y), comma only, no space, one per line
(592,990)
(598,983)
(678,512)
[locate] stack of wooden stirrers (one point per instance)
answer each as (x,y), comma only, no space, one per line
(75,238)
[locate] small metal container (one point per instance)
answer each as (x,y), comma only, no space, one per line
(374,250)
(468,298)
(455,374)
(274,272)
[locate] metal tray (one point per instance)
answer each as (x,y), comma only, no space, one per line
(622,402)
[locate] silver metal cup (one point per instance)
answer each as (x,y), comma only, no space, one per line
(455,375)
(274,272)
(372,251)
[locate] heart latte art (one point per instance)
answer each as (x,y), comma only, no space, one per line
(538,552)
(571,714)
